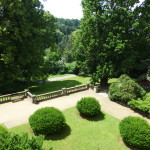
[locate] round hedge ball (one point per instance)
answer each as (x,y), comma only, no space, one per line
(88,106)
(135,132)
(48,120)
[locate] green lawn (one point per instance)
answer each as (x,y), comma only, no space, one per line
(101,133)
(58,85)
(113,80)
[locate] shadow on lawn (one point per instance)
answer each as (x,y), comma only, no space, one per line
(40,88)
(59,136)
(133,148)
(99,117)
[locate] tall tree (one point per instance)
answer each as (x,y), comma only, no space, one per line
(25,31)
(108,38)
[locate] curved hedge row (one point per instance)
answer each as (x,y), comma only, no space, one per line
(141,104)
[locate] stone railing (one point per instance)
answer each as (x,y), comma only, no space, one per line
(46,96)
(42,97)
(64,91)
(13,97)
(77,89)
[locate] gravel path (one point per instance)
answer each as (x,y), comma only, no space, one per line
(60,78)
(14,114)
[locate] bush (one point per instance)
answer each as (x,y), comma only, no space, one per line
(47,120)
(3,129)
(11,141)
(17,142)
(72,68)
(88,106)
(125,90)
(135,132)
(3,135)
(142,105)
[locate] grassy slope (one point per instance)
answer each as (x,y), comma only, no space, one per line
(82,134)
(58,85)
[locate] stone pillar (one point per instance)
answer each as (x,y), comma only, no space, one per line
(88,85)
(96,88)
(26,90)
(64,91)
(33,99)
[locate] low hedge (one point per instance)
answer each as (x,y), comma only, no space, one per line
(135,132)
(88,106)
(141,104)
(48,120)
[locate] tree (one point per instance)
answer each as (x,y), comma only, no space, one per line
(65,27)
(108,39)
(25,32)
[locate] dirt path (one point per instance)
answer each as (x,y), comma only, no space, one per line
(14,114)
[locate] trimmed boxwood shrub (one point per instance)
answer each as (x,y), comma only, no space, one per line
(47,121)
(88,106)
(125,90)
(135,132)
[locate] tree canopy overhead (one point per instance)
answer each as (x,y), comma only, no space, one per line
(25,31)
(114,38)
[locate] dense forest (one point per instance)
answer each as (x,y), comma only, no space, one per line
(61,58)
(64,29)
(112,38)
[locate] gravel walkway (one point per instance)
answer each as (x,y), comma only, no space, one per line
(14,114)
(60,78)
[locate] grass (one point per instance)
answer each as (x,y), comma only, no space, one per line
(113,80)
(101,133)
(57,75)
(58,85)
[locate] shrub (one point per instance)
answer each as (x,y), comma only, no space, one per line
(72,67)
(141,104)
(3,135)
(135,132)
(3,129)
(17,142)
(47,120)
(88,106)
(125,90)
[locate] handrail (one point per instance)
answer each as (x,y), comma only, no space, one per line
(64,91)
(42,97)
(13,96)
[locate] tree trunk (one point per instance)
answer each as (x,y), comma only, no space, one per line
(104,81)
